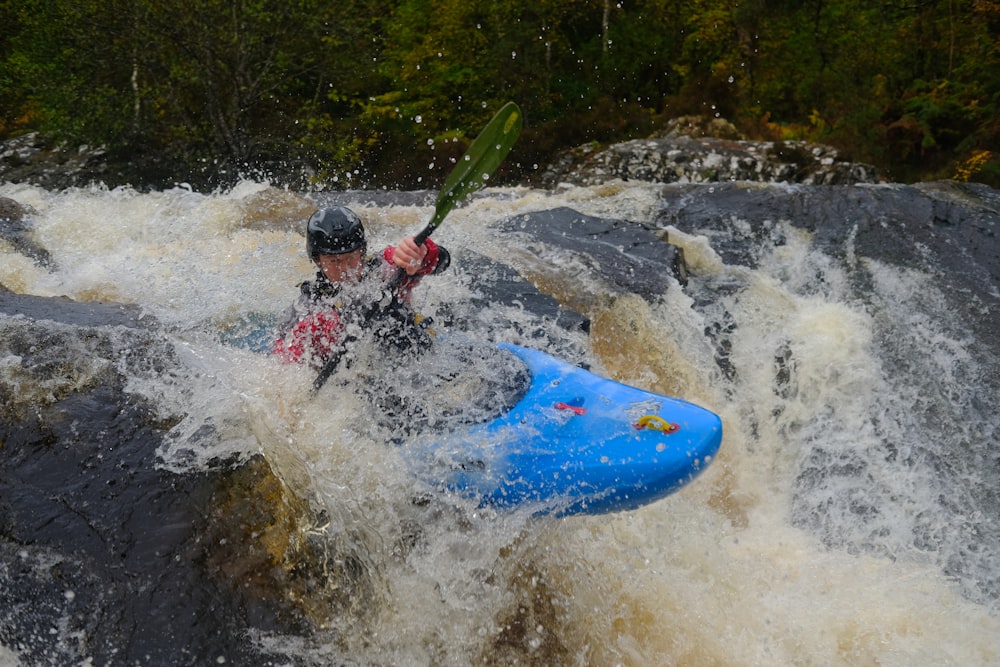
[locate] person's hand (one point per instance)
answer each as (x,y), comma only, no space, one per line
(409,256)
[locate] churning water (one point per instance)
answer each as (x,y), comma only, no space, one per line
(850,518)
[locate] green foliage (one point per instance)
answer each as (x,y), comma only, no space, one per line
(55,59)
(389,91)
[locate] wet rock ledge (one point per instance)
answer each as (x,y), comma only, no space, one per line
(106,558)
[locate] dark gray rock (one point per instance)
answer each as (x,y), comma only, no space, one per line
(627,256)
(945,228)
(15,229)
(75,313)
(495,285)
(132,564)
(29,158)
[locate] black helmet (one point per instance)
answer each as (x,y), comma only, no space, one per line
(333,231)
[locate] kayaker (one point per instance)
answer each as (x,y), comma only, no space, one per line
(351,292)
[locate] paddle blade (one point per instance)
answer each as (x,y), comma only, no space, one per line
(479,162)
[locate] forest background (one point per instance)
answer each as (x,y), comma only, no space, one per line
(386,93)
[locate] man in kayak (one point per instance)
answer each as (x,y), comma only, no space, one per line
(353,292)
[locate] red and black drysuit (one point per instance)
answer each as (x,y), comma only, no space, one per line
(314,327)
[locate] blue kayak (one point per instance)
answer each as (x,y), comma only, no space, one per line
(577,443)
(534,432)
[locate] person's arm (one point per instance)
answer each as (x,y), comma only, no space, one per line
(417,261)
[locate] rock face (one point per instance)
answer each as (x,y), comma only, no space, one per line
(625,257)
(31,158)
(15,229)
(28,158)
(105,557)
(498,285)
(706,152)
(941,227)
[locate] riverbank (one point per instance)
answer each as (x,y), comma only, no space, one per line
(686,150)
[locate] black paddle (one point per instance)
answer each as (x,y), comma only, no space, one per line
(474,168)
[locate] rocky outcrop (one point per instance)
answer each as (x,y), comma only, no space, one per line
(15,229)
(613,257)
(32,158)
(945,228)
(687,155)
(937,226)
(105,556)
(29,158)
